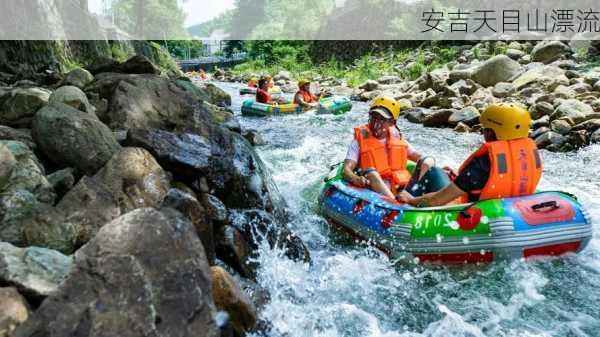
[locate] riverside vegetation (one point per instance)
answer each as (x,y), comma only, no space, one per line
(448,86)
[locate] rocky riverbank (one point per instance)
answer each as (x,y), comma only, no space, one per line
(130,205)
(561,90)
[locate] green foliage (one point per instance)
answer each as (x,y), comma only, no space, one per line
(184,49)
(148,17)
(273,56)
(205,29)
(118,53)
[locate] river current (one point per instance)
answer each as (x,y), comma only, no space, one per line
(350,289)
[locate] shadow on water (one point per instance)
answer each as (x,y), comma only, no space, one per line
(351,289)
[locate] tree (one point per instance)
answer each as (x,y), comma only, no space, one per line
(247,15)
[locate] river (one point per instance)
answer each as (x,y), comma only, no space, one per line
(350,289)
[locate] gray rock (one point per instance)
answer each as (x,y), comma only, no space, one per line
(526,59)
(19,135)
(503,89)
(468,115)
(36,272)
(233,248)
(61,181)
(539,131)
(15,209)
(581,88)
(560,126)
(574,109)
(439,118)
(595,137)
(19,106)
(71,138)
(541,109)
(135,179)
(542,121)
(72,96)
(28,173)
(389,79)
(146,269)
(499,68)
(197,214)
(460,74)
(548,52)
(550,138)
(369,85)
(417,115)
(540,73)
(138,64)
(589,125)
(465,87)
(79,78)
(216,95)
(215,207)
(253,137)
(515,54)
(47,227)
(259,226)
(282,75)
(14,310)
(88,206)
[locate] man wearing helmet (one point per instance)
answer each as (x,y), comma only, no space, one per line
(304,97)
(378,156)
(507,165)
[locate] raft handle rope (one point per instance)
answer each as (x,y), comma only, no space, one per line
(547,205)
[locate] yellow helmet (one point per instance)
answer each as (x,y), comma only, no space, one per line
(303,82)
(507,121)
(388,103)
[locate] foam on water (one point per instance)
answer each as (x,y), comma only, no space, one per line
(350,289)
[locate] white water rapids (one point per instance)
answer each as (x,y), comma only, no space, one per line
(352,290)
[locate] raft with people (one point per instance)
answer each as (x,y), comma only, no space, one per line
(389,194)
(541,224)
(328,105)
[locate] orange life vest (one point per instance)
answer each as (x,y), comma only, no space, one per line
(516,168)
(390,162)
(307,97)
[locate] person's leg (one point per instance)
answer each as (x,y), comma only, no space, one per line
(378,185)
(433,180)
(423,166)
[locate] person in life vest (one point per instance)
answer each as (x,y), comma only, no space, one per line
(304,97)
(378,156)
(253,83)
(507,165)
(262,93)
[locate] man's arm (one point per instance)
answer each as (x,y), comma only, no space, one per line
(349,175)
(439,198)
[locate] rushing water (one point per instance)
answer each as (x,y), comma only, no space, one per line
(350,289)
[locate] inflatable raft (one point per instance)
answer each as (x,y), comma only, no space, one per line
(542,224)
(334,105)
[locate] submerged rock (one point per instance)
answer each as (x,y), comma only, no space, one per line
(146,269)
(231,299)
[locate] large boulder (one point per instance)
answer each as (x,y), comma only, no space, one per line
(541,73)
(547,52)
(14,310)
(19,106)
(72,96)
(16,208)
(137,64)
(192,209)
(228,162)
(369,85)
(232,248)
(418,115)
(78,77)
(550,138)
(143,274)
(468,115)
(47,227)
(151,101)
(216,95)
(88,206)
(574,109)
(230,298)
(36,272)
(135,179)
(72,138)
(499,68)
(27,173)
